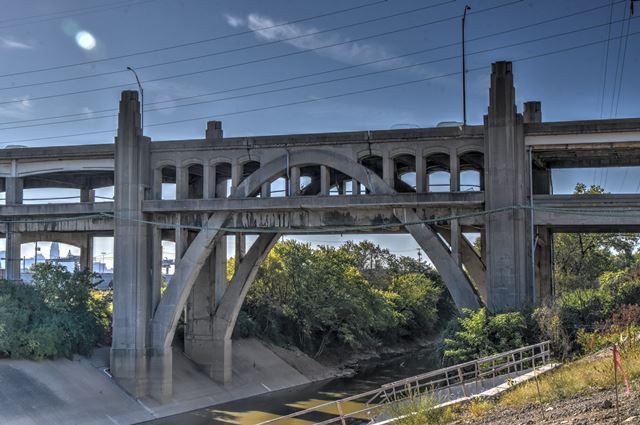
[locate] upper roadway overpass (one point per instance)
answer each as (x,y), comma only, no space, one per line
(499,185)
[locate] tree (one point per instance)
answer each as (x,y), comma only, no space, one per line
(580,258)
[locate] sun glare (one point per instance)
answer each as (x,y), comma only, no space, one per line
(85,40)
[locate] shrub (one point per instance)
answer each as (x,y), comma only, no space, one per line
(58,315)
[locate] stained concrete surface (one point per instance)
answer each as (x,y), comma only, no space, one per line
(73,392)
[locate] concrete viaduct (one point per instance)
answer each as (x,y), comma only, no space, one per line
(335,183)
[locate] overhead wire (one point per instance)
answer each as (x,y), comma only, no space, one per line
(317,99)
(311,84)
(224,36)
(618,60)
(624,56)
(606,60)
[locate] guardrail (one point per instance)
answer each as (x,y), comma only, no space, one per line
(465,376)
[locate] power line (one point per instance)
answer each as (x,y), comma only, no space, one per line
(224,36)
(369,90)
(333,80)
(618,60)
(606,61)
(76,12)
(624,56)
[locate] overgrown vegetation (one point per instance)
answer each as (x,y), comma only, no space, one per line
(59,314)
(339,299)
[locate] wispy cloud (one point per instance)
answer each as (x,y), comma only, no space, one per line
(8,43)
(17,110)
(304,38)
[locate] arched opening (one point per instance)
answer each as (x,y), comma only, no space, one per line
(310,180)
(195,181)
(438,172)
(404,173)
(373,163)
(471,172)
(168,182)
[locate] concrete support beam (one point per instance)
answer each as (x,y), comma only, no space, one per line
(220,269)
(130,365)
(454,171)
(325,180)
(156,268)
(157,184)
(87,195)
(182,183)
(456,239)
(508,238)
(421,174)
(294,184)
(472,262)
(241,247)
(544,264)
(208,181)
(388,170)
(86,253)
(355,187)
(532,112)
(13,196)
(265,190)
(227,312)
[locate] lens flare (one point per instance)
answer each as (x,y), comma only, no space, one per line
(85,40)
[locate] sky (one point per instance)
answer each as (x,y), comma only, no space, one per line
(571,68)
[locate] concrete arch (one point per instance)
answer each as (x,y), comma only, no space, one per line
(25,169)
(369,152)
(168,311)
(402,151)
(435,150)
(164,163)
(220,160)
(469,148)
(192,161)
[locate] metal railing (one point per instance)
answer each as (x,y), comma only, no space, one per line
(465,377)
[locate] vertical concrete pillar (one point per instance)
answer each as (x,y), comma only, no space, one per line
(221,370)
(182,182)
(86,254)
(388,169)
(508,236)
(87,195)
(214,131)
(208,181)
(355,187)
(325,180)
(236,175)
(294,186)
(157,184)
(220,268)
(265,190)
(421,174)
(13,196)
(544,263)
(532,112)
(241,246)
(130,364)
(156,258)
(454,171)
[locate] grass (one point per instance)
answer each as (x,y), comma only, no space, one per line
(418,409)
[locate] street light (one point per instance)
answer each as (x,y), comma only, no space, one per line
(464,71)
(141,98)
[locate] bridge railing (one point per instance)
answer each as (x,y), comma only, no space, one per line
(464,379)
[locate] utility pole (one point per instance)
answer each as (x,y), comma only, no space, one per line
(419,255)
(464,71)
(141,98)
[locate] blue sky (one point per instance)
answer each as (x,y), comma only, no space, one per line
(36,34)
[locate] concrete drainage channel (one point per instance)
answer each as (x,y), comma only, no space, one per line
(482,378)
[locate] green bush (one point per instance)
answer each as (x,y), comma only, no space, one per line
(58,315)
(479,334)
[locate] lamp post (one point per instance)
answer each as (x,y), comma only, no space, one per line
(464,71)
(135,74)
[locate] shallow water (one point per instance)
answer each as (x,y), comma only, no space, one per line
(270,405)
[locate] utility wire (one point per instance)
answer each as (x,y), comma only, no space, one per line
(312,74)
(606,61)
(236,34)
(329,81)
(369,90)
(289,54)
(624,56)
(66,14)
(618,60)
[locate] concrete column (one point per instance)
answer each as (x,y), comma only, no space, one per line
(198,336)
(455,241)
(355,187)
(87,195)
(182,182)
(157,183)
(265,190)
(421,174)
(13,196)
(532,113)
(214,131)
(241,248)
(181,240)
(508,240)
(544,263)
(388,169)
(325,180)
(130,364)
(454,171)
(209,181)
(294,186)
(86,254)
(236,175)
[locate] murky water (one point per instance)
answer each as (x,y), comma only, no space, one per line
(267,406)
